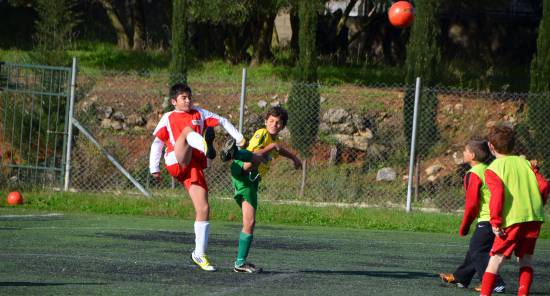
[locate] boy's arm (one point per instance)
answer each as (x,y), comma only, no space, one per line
(473,184)
(212,119)
(542,183)
(283,152)
(496,203)
(155,155)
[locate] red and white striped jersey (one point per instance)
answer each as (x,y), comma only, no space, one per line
(172,123)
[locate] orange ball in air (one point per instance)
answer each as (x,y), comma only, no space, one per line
(14,198)
(401,14)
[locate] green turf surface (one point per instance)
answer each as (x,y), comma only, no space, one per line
(75,254)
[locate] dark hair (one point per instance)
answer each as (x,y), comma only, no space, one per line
(279,112)
(503,138)
(178,89)
(481,151)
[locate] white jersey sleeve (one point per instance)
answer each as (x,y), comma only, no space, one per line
(155,155)
(212,119)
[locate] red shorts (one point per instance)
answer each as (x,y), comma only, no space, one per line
(190,174)
(519,238)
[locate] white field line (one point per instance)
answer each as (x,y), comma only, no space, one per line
(361,205)
(6,253)
(32,216)
(369,240)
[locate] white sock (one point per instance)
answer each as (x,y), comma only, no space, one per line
(196,141)
(201,237)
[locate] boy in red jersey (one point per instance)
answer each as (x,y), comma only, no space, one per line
(477,155)
(185,157)
(518,193)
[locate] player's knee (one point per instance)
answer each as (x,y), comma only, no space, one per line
(249,223)
(203,210)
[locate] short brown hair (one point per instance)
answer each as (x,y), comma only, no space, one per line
(502,138)
(279,112)
(178,89)
(480,148)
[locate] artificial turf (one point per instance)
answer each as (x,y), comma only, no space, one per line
(76,254)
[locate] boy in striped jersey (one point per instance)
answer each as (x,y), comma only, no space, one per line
(518,193)
(477,155)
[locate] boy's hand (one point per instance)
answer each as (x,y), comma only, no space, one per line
(156,176)
(498,231)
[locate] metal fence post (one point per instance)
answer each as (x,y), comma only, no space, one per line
(243,97)
(70,128)
(413,144)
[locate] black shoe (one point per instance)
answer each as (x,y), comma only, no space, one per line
(247,268)
(229,150)
(209,136)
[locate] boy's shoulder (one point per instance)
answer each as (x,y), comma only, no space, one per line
(263,133)
(260,131)
(509,162)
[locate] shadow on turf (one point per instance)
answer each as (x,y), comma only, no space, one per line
(386,274)
(31,284)
(216,240)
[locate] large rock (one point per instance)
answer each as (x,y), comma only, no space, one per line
(433,169)
(352,141)
(458,158)
(343,128)
(119,116)
(135,120)
(386,174)
(106,123)
(108,112)
(336,115)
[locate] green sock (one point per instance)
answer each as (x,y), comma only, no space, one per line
(245,240)
(244,155)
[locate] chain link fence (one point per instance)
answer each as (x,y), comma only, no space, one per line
(354,139)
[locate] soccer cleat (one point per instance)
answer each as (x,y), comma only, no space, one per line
(202,262)
(497,289)
(209,136)
(447,278)
(247,268)
(229,150)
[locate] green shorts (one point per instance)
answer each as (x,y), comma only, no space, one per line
(245,184)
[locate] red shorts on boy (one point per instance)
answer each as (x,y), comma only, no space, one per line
(190,174)
(519,238)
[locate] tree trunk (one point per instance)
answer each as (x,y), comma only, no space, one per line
(123,41)
(180,42)
(295,26)
(138,22)
(236,43)
(262,42)
(304,179)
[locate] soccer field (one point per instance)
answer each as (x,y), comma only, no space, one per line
(61,254)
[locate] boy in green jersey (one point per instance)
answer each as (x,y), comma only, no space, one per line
(246,176)
(477,155)
(518,193)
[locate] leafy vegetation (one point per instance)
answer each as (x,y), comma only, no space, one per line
(539,104)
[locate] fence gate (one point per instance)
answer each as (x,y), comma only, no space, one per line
(33,124)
